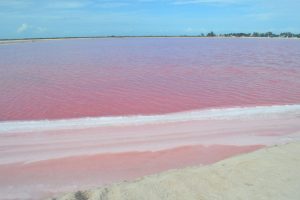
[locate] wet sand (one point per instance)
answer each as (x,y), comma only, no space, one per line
(270,173)
(47,178)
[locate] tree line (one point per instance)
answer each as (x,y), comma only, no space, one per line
(254,34)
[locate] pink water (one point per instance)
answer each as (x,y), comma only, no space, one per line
(109,77)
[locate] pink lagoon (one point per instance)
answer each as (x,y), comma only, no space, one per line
(82,113)
(144,76)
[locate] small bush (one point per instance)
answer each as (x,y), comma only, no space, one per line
(80,196)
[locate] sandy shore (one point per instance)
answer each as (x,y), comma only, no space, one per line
(270,173)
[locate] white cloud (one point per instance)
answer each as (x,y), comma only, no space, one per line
(33,29)
(22,28)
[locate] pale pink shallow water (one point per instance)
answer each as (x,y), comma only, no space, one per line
(39,164)
(49,178)
(104,77)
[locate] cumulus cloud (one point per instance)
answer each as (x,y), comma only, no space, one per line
(22,28)
(30,28)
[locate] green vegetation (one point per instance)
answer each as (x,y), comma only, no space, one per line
(80,196)
(211,34)
(267,34)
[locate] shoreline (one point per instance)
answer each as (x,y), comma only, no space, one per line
(28,40)
(262,174)
(128,120)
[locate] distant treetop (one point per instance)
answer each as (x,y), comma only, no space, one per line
(254,34)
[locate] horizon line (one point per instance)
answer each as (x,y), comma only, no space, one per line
(225,35)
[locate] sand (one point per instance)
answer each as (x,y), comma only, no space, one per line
(270,173)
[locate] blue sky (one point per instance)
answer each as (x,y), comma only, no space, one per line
(55,18)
